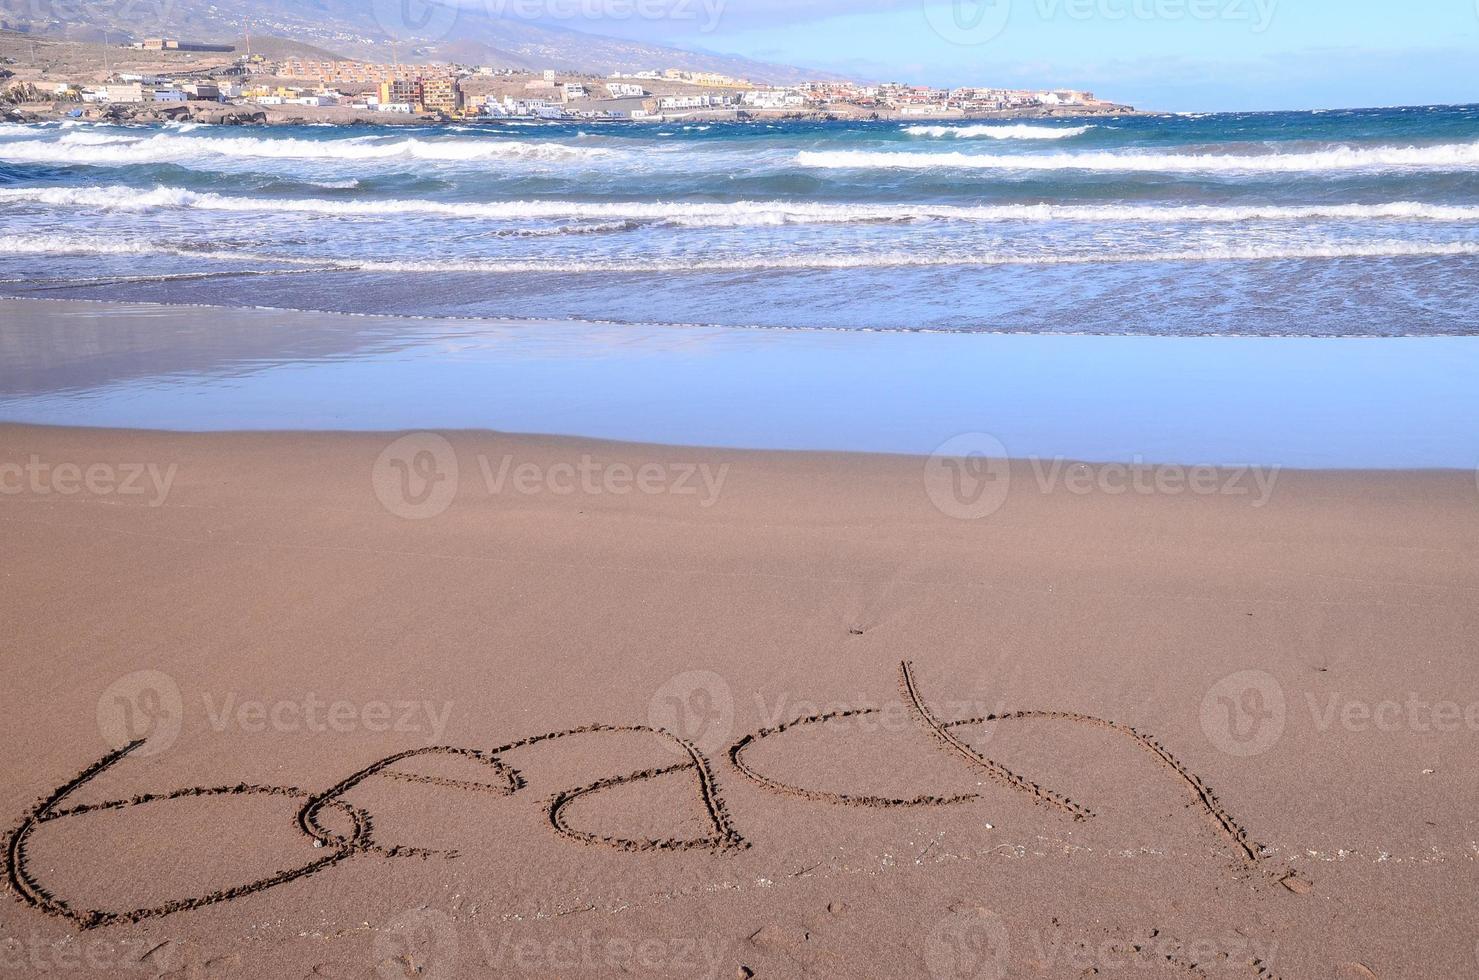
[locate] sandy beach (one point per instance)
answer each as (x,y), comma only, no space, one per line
(471,704)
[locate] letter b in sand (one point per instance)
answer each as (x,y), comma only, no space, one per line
(1243,714)
(416,476)
(968,477)
(143,705)
(967,944)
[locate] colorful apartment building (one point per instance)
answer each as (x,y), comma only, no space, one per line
(441,94)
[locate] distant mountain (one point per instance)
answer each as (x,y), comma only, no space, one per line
(379,30)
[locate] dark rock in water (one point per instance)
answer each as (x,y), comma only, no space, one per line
(229,116)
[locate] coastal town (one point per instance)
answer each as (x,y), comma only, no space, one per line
(170,78)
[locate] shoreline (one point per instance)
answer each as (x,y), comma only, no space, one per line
(166,367)
(247,113)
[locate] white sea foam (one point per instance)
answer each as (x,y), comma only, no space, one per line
(1448,156)
(88,148)
(1391,249)
(733,214)
(1019,131)
(99,245)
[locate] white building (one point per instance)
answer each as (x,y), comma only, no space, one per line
(774,98)
(625,90)
(122,93)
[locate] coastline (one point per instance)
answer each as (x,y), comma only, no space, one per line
(1332,403)
(247,113)
(279,571)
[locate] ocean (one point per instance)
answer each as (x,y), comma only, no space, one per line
(1341,223)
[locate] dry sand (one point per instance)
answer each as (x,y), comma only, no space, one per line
(1195,737)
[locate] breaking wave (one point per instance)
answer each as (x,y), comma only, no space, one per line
(89,148)
(1450,156)
(1019,131)
(97,245)
(730,214)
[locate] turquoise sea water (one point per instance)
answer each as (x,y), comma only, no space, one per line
(1351,223)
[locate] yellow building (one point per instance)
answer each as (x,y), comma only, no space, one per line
(441,94)
(406,90)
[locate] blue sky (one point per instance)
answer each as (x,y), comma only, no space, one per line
(1161,54)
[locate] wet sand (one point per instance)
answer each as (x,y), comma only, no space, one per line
(323,704)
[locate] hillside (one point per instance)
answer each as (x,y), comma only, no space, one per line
(378,32)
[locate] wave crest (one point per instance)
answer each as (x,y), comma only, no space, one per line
(96,245)
(723,215)
(1019,131)
(88,148)
(1450,156)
